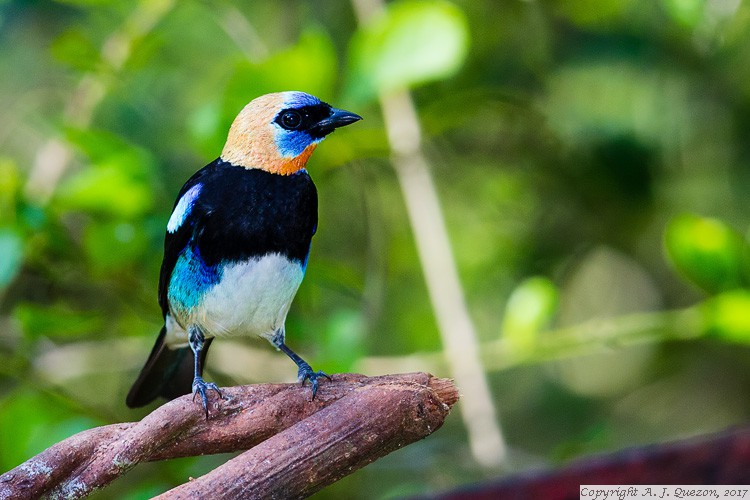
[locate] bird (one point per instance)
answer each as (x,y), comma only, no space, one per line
(237,244)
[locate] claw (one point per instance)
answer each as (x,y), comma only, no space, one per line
(200,386)
(306,373)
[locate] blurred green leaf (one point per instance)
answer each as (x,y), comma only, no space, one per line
(84,3)
(75,49)
(707,252)
(11,250)
(728,315)
(205,126)
(10,186)
(530,308)
(115,183)
(114,245)
(56,321)
(688,13)
(102,147)
(33,217)
(344,336)
(592,12)
(106,190)
(413,42)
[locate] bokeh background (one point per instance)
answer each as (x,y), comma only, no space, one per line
(584,163)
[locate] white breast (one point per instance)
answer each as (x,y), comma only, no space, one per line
(252,298)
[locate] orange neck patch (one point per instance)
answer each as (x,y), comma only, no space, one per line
(275,164)
(295,164)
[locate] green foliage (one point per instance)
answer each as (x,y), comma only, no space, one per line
(132,245)
(413,42)
(707,252)
(11,248)
(76,50)
(686,12)
(591,160)
(728,316)
(344,340)
(530,309)
(115,182)
(57,321)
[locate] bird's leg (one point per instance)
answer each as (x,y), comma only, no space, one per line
(200,386)
(305,372)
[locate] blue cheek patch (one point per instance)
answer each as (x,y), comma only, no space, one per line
(292,143)
(191,279)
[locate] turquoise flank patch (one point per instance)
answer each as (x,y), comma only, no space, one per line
(191,279)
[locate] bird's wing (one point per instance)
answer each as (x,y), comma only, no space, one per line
(179,230)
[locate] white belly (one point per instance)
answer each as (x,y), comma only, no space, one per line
(252,298)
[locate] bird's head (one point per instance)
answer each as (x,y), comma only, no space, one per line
(278,132)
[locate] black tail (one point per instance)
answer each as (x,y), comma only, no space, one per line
(167,373)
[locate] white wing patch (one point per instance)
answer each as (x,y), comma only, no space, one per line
(183,208)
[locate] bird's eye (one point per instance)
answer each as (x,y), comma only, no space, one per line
(291,120)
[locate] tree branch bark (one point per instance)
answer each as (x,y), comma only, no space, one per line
(353,421)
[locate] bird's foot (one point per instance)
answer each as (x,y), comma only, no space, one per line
(305,373)
(200,386)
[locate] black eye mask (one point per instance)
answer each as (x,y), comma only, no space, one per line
(304,119)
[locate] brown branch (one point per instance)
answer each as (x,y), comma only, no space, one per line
(330,444)
(353,421)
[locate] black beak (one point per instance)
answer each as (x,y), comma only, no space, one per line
(337,118)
